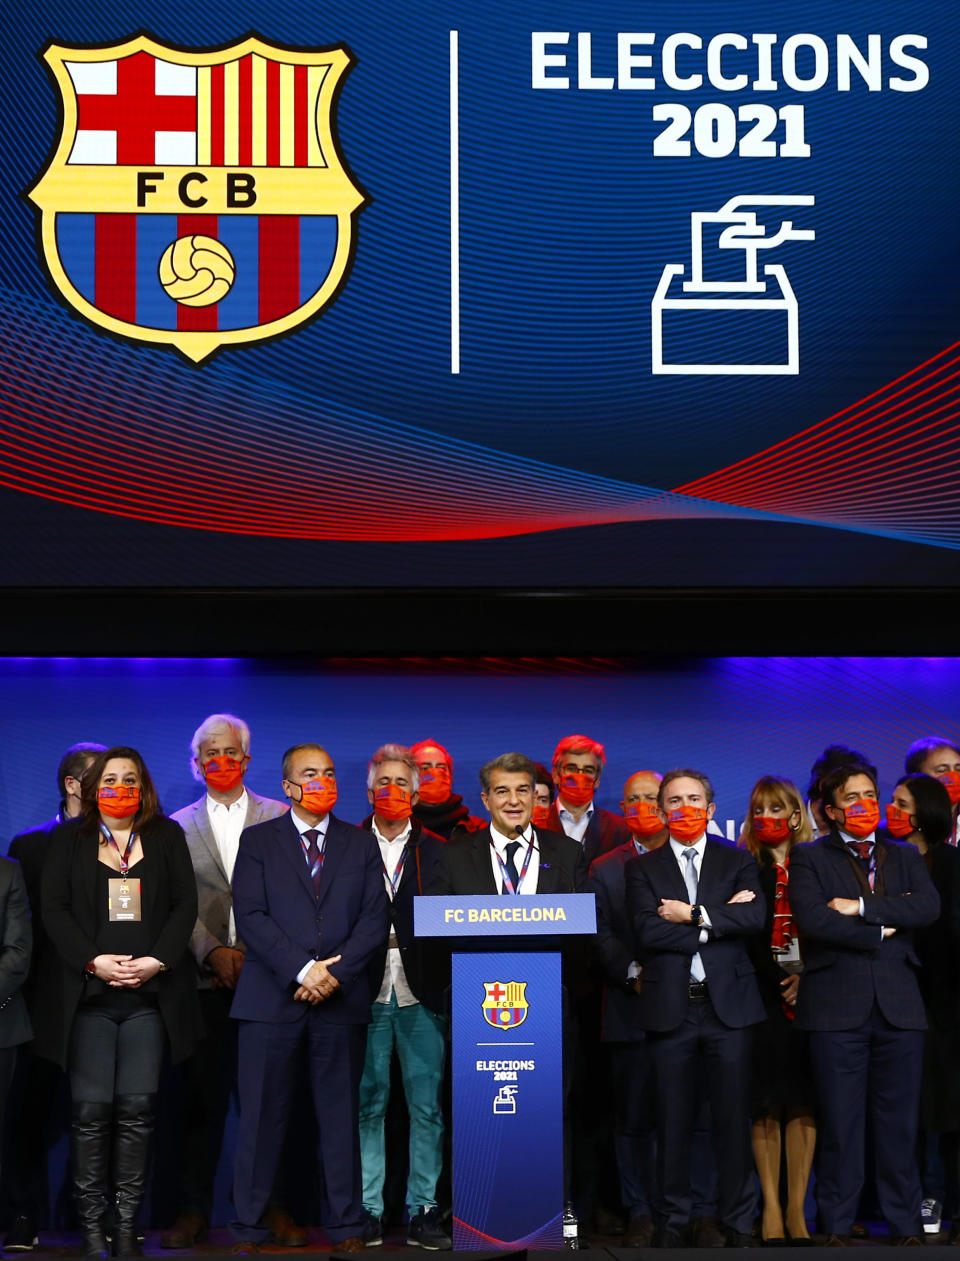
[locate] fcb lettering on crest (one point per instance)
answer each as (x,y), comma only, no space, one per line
(505,1003)
(197,199)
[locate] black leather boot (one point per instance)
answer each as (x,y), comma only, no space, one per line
(132,1128)
(90,1137)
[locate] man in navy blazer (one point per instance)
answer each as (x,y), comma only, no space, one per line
(856,896)
(626,1057)
(691,904)
(310,904)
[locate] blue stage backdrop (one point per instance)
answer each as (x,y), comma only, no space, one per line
(489,277)
(736,718)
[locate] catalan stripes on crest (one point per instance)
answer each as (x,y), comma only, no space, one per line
(197,198)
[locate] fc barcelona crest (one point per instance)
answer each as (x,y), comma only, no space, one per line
(505,1003)
(197,199)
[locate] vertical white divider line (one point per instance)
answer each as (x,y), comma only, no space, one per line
(454,204)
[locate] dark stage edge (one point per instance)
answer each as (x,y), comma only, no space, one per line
(66,1244)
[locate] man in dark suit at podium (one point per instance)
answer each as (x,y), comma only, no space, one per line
(691,904)
(509,856)
(856,896)
(310,903)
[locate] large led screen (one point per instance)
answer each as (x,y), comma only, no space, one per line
(552,294)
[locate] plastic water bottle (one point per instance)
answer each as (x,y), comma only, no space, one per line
(571,1236)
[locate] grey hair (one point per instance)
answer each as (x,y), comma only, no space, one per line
(393,753)
(513,763)
(206,728)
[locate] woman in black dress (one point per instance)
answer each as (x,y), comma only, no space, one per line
(921,813)
(782,1113)
(119,903)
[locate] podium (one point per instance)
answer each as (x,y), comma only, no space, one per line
(507,1061)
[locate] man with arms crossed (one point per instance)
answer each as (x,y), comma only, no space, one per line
(691,904)
(856,896)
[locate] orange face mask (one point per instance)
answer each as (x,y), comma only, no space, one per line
(769,829)
(861,818)
(223,773)
(687,823)
(119,801)
(319,796)
(392,802)
(951,782)
(435,784)
(643,818)
(576,788)
(540,816)
(898,821)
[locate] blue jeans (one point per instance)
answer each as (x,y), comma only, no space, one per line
(418,1036)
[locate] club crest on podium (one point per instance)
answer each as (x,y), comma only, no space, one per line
(505,1003)
(197,198)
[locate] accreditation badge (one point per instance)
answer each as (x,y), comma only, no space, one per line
(123,900)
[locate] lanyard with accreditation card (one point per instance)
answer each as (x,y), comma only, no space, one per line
(123,894)
(508,883)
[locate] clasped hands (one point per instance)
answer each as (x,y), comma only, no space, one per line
(123,972)
(677,912)
(318,984)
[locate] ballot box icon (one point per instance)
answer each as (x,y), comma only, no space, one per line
(731,315)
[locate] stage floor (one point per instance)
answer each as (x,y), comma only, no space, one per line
(220,1243)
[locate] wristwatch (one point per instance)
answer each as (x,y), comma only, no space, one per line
(696,916)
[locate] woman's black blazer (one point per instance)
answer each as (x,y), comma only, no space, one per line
(70,918)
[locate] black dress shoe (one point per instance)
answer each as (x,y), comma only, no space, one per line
(907,1241)
(738,1239)
(775,1241)
(664,1238)
(705,1233)
(859,1231)
(639,1231)
(21,1237)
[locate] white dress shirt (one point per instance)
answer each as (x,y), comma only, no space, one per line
(394,977)
(576,829)
(678,851)
(321,829)
(872,842)
(226,823)
(500,842)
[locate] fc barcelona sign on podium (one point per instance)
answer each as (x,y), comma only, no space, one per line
(197,199)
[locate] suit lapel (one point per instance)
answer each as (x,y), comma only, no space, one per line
(672,878)
(482,862)
(201,824)
(549,876)
(333,851)
(292,848)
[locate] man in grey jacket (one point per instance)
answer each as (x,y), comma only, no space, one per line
(220,756)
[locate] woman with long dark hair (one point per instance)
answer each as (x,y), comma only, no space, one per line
(782,1107)
(119,903)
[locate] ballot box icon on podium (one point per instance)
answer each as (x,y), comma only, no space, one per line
(731,316)
(507,1061)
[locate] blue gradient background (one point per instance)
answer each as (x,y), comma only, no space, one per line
(567,221)
(735,717)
